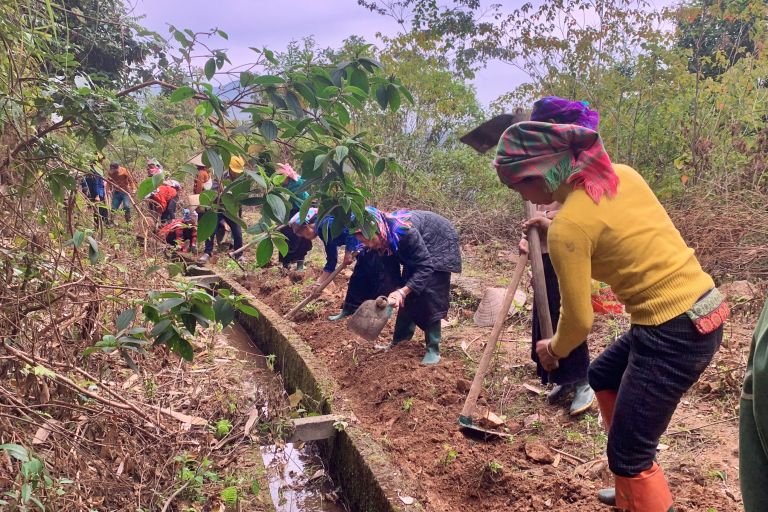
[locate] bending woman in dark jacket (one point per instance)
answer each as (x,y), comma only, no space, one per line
(374,274)
(427,246)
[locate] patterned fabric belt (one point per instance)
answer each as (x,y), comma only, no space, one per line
(709,312)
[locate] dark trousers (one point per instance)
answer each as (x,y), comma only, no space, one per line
(170,212)
(298,247)
(100,210)
(573,368)
(651,367)
(237,235)
(375,274)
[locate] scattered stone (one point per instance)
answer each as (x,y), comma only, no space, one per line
(531,419)
(537,452)
(491,420)
(407,500)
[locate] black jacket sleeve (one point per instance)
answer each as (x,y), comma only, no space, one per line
(416,259)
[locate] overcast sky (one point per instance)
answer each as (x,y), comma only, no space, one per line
(275,23)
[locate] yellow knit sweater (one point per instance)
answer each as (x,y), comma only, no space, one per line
(628,242)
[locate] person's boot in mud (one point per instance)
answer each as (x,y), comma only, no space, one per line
(344,313)
(433,335)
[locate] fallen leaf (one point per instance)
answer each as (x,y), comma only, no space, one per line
(533,389)
(407,500)
(295,398)
(130,381)
(41,435)
(318,474)
(184,418)
(253,415)
(557,460)
(43,432)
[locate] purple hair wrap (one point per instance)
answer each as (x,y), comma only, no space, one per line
(552,109)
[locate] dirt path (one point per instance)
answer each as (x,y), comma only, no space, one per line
(412,410)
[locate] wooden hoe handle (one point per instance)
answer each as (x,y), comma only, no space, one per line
(498,325)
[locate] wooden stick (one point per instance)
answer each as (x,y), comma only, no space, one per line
(539,277)
(565,454)
(498,325)
(315,294)
(688,431)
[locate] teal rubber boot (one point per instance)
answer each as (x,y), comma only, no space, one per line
(559,392)
(300,266)
(433,336)
(344,313)
(583,399)
(404,331)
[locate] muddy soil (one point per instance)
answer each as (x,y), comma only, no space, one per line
(552,461)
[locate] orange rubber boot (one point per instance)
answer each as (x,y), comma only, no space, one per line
(606,400)
(646,492)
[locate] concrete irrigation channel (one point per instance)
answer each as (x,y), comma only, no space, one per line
(369,482)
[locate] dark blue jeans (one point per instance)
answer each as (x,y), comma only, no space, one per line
(237,235)
(651,367)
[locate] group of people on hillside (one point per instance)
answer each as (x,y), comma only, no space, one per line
(120,184)
(601,221)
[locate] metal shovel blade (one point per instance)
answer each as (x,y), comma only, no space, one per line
(469,429)
(370,318)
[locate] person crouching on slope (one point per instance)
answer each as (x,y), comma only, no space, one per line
(427,246)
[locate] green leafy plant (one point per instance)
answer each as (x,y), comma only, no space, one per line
(32,480)
(194,475)
(222,428)
(230,496)
(408,404)
(270,361)
(451,454)
(495,467)
(176,315)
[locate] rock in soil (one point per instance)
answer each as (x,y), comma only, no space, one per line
(537,452)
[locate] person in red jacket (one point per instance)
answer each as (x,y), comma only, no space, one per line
(163,202)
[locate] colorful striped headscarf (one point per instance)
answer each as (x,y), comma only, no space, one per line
(389,226)
(559,153)
(552,109)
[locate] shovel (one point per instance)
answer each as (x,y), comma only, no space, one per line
(370,318)
(466,424)
(317,292)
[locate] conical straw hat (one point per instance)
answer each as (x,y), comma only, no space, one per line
(489,307)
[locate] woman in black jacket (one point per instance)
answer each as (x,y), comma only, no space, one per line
(427,246)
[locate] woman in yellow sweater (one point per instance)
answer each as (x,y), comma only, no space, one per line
(612,228)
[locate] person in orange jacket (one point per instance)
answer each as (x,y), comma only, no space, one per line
(120,184)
